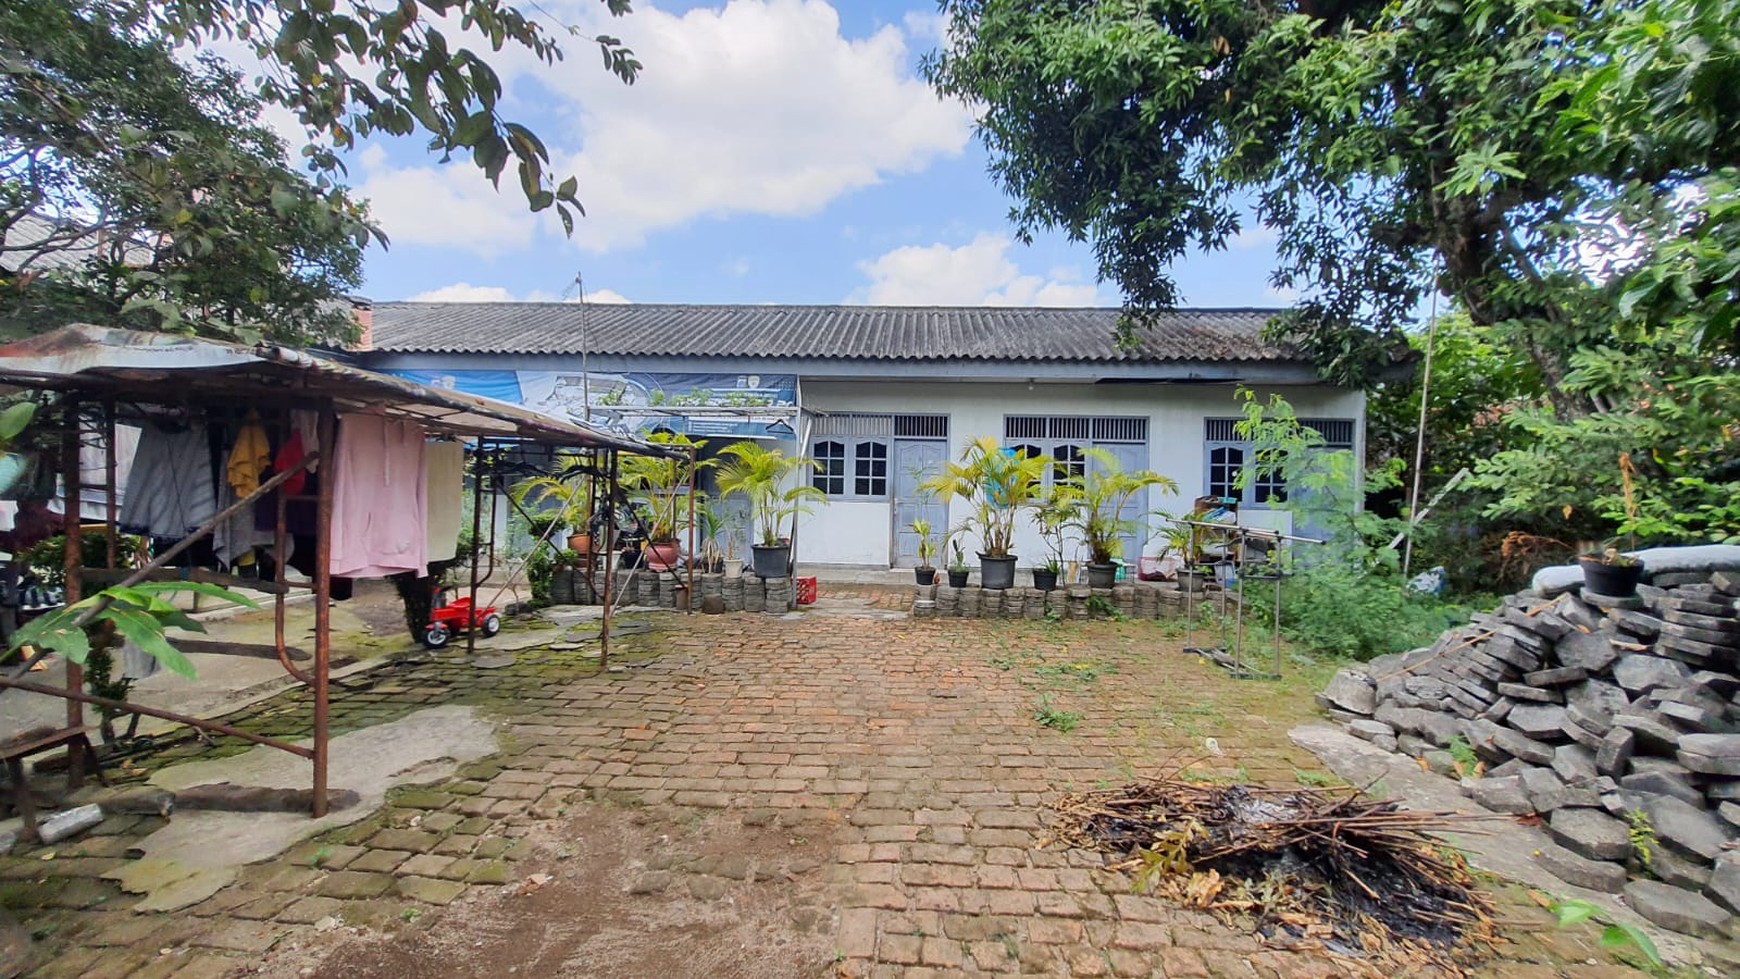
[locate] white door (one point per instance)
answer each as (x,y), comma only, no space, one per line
(916,460)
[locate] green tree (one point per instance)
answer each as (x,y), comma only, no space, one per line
(1484,148)
(139,188)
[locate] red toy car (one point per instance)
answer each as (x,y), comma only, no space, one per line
(448,619)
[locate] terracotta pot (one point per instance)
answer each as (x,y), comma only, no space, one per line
(663,555)
(580,544)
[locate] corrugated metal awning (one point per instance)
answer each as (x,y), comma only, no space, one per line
(166,369)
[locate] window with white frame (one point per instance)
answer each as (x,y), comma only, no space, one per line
(1226,455)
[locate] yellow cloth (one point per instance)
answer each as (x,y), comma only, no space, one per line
(250,457)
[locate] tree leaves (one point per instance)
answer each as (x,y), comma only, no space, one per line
(138,613)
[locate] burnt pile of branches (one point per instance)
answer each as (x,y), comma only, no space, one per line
(1333,868)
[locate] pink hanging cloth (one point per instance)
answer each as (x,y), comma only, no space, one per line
(379,503)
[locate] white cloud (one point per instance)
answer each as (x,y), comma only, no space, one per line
(1252,236)
(979,273)
(451,205)
(465,292)
(761,107)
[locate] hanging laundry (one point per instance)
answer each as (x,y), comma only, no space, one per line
(94,472)
(234,540)
(445,492)
(170,491)
(307,424)
(290,456)
(379,508)
(250,456)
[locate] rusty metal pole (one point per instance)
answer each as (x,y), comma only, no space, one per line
(477,473)
(323,600)
(72,563)
(280,538)
(111,513)
(690,603)
(609,558)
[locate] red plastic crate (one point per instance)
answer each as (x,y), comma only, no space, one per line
(806,590)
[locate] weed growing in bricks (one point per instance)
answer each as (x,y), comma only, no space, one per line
(1062,721)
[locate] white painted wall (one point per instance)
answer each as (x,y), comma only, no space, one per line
(859,533)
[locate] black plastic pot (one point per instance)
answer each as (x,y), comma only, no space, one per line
(770,562)
(1102,575)
(1612,580)
(1044,579)
(958,579)
(997,572)
(924,576)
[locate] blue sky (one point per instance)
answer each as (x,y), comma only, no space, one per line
(773,151)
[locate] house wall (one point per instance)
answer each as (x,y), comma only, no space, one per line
(861,532)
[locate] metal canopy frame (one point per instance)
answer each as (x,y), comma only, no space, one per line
(96,369)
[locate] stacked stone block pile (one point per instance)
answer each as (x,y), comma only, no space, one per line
(1617,721)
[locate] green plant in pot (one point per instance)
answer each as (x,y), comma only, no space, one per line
(958,570)
(660,487)
(565,493)
(925,573)
(997,484)
(1053,517)
(1608,571)
(760,475)
(1103,495)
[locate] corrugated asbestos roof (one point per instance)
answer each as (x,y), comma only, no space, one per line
(162,368)
(837,332)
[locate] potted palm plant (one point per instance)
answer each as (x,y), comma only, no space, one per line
(759,474)
(660,487)
(565,494)
(997,484)
(711,524)
(1102,494)
(925,573)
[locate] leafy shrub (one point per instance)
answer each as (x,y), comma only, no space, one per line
(1344,611)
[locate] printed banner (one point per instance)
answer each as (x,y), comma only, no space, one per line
(760,405)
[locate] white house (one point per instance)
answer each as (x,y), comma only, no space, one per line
(879,395)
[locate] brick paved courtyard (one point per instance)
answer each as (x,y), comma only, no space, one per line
(906,757)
